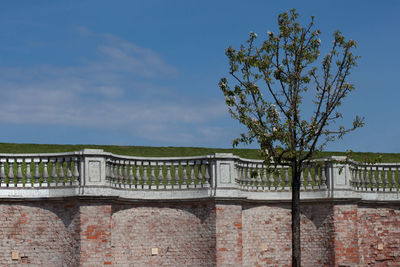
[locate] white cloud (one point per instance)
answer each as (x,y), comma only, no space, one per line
(95,95)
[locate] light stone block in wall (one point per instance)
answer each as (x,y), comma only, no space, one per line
(95,169)
(224,164)
(225,173)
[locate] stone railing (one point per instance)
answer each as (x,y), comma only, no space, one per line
(375,177)
(158,173)
(95,173)
(256,176)
(39,170)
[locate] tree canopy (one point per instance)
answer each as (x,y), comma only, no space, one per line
(271,81)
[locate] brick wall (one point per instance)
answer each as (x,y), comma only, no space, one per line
(267,235)
(180,234)
(40,233)
(95,227)
(229,234)
(346,250)
(379,236)
(204,233)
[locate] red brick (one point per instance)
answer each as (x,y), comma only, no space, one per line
(203,233)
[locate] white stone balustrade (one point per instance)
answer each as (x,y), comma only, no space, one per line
(32,170)
(157,173)
(375,177)
(95,173)
(256,176)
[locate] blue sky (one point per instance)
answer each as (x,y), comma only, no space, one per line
(146,72)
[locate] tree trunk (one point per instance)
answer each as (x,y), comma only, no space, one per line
(296,249)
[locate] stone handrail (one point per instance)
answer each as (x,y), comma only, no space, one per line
(256,176)
(158,173)
(39,170)
(375,177)
(95,173)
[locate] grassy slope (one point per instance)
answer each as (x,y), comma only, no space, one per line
(168,151)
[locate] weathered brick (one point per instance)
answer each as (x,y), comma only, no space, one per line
(83,232)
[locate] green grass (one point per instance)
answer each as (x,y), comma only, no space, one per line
(146,151)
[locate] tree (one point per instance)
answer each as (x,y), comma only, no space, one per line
(271,83)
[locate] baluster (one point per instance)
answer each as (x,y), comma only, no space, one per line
(309,177)
(250,181)
(130,175)
(199,174)
(250,176)
(138,179)
(176,175)
(69,172)
(121,179)
(385,179)
(168,177)
(76,174)
(108,169)
(207,176)
(323,176)
(160,177)
(53,172)
(354,178)
(371,178)
(374,183)
(61,170)
(258,176)
(264,178)
(253,175)
(152,175)
(2,172)
(37,173)
(271,180)
(11,173)
(145,175)
(302,180)
(351,175)
(240,169)
(379,181)
(125,173)
(366,178)
(390,178)
(243,177)
(117,179)
(28,175)
(361,176)
(191,177)
(45,173)
(278,180)
(19,173)
(114,172)
(317,177)
(357,176)
(286,172)
(244,180)
(184,174)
